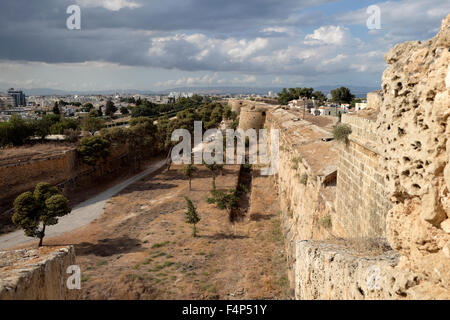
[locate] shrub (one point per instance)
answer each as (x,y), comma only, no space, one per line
(71,135)
(325,222)
(304,179)
(341,132)
(295,162)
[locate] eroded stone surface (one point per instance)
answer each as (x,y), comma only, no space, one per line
(414,134)
(36,274)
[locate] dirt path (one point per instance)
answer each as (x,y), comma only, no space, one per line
(82,214)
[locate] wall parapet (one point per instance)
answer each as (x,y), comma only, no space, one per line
(363,131)
(36,274)
(327,271)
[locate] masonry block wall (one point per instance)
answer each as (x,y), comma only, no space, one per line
(64,169)
(361,200)
(19,177)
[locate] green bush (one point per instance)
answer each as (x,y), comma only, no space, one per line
(325,222)
(341,132)
(295,162)
(304,179)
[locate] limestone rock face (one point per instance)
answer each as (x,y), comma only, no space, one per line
(413,126)
(36,274)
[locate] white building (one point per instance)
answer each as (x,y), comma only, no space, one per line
(360,106)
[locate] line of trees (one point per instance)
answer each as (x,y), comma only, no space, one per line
(16,131)
(339,95)
(287,95)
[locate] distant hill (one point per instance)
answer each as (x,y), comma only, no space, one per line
(358,91)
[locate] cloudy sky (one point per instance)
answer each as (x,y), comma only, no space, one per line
(160,44)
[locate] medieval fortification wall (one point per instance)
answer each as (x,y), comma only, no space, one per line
(381,230)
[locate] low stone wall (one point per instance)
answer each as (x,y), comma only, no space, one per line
(36,274)
(23,176)
(65,170)
(330,271)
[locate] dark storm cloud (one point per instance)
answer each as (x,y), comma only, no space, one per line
(36,30)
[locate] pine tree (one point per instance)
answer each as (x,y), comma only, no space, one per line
(214,168)
(56,108)
(35,211)
(191,216)
(189,171)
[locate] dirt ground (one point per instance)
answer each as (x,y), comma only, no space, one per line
(141,248)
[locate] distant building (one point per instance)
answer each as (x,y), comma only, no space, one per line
(333,111)
(360,106)
(18,96)
(301,103)
(6,102)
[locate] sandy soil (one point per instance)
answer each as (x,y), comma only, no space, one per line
(141,247)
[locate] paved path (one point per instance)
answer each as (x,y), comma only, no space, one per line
(81,215)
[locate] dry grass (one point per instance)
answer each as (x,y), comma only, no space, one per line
(364,247)
(147,251)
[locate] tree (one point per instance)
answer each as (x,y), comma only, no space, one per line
(318,95)
(93,113)
(87,107)
(214,168)
(124,110)
(228,201)
(110,108)
(341,132)
(342,95)
(56,108)
(189,171)
(41,127)
(92,124)
(191,216)
(15,131)
(33,212)
(63,125)
(141,137)
(92,149)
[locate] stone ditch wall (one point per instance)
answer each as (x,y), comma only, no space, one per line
(327,271)
(65,170)
(398,152)
(361,199)
(36,274)
(22,176)
(302,199)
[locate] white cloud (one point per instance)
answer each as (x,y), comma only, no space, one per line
(247,79)
(402,20)
(112,5)
(277,80)
(190,81)
(334,35)
(207,80)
